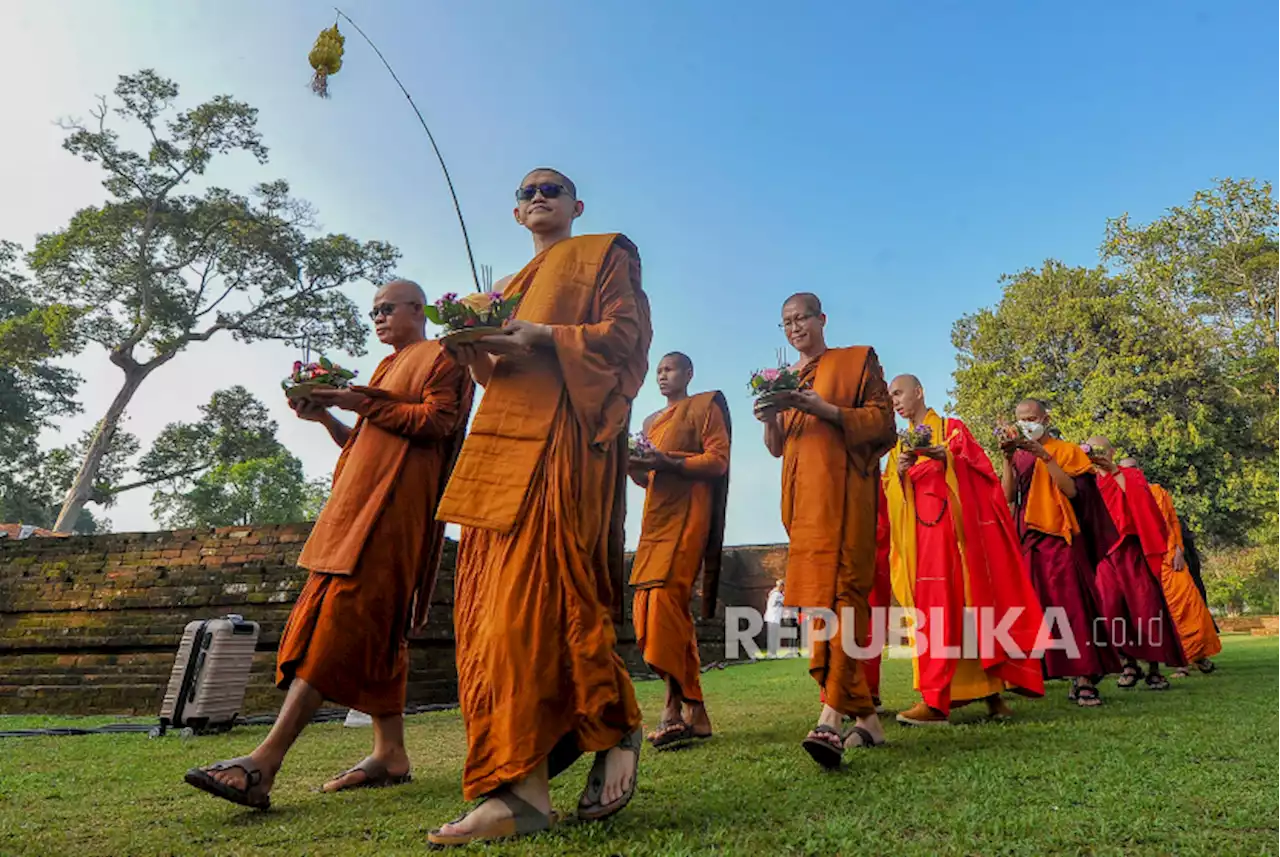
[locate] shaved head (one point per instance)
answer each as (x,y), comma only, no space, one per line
(808,300)
(1100,443)
(1042,407)
(909,381)
(401,291)
(1130,461)
(682,360)
(560,178)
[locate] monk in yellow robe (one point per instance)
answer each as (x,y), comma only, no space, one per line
(684,471)
(538,490)
(1187,608)
(830,435)
(955,551)
(373,554)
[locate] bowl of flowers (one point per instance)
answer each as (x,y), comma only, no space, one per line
(773,386)
(916,438)
(639,445)
(471,317)
(306,377)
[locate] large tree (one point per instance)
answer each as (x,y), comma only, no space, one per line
(160,267)
(1074,337)
(270,490)
(33,389)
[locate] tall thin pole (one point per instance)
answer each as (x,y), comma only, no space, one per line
(456,207)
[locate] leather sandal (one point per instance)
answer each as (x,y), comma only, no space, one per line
(376,776)
(252,795)
(589,806)
(525,819)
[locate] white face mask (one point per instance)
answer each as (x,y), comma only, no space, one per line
(1030,430)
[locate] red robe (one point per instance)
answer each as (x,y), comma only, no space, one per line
(1132,599)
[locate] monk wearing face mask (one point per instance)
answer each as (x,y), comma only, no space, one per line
(1041,475)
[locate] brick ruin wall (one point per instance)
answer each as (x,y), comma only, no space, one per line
(90,625)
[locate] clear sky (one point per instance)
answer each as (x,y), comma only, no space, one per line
(894,158)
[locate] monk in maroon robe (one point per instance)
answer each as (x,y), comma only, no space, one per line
(1128,576)
(1042,476)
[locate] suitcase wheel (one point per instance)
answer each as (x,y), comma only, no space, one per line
(187,733)
(155,732)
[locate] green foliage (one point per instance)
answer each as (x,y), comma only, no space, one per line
(1245,579)
(156,268)
(1171,355)
(269,490)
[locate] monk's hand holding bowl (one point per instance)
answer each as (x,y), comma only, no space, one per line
(1034,447)
(308,410)
(518,338)
(809,402)
(937,453)
(347,400)
(765,412)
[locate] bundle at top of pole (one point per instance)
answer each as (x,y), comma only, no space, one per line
(326,60)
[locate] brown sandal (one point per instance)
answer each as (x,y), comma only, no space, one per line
(589,806)
(525,819)
(826,751)
(376,776)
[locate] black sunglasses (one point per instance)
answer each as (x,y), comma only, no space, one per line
(388,308)
(550,191)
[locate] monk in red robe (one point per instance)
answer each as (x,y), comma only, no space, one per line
(955,550)
(1132,599)
(1196,629)
(880,602)
(685,476)
(1041,476)
(373,554)
(830,435)
(539,490)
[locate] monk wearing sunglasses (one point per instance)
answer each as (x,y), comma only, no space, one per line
(538,490)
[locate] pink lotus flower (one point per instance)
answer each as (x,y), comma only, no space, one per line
(769,375)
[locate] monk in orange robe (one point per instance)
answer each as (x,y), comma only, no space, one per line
(539,490)
(955,550)
(830,435)
(1196,629)
(1042,476)
(1128,574)
(373,554)
(880,601)
(685,474)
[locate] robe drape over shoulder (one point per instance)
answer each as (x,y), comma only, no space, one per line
(682,532)
(955,547)
(1128,574)
(375,550)
(1191,616)
(829,478)
(538,491)
(1059,561)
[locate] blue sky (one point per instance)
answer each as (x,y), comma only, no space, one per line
(894,158)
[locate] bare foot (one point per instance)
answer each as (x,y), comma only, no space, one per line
(998,709)
(395,764)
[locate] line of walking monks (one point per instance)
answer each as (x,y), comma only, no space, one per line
(537,486)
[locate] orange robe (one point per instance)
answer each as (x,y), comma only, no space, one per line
(680,512)
(374,552)
(538,489)
(829,479)
(881,596)
(954,546)
(1190,614)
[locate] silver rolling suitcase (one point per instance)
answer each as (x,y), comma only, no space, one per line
(210,674)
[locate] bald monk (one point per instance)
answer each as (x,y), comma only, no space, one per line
(373,554)
(830,436)
(1128,576)
(686,484)
(1187,608)
(954,548)
(538,490)
(1041,476)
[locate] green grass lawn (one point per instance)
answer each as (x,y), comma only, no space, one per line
(1190,771)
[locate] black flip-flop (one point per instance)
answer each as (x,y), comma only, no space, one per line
(250,796)
(671,733)
(865,739)
(1129,677)
(1156,681)
(1081,696)
(1206,666)
(824,752)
